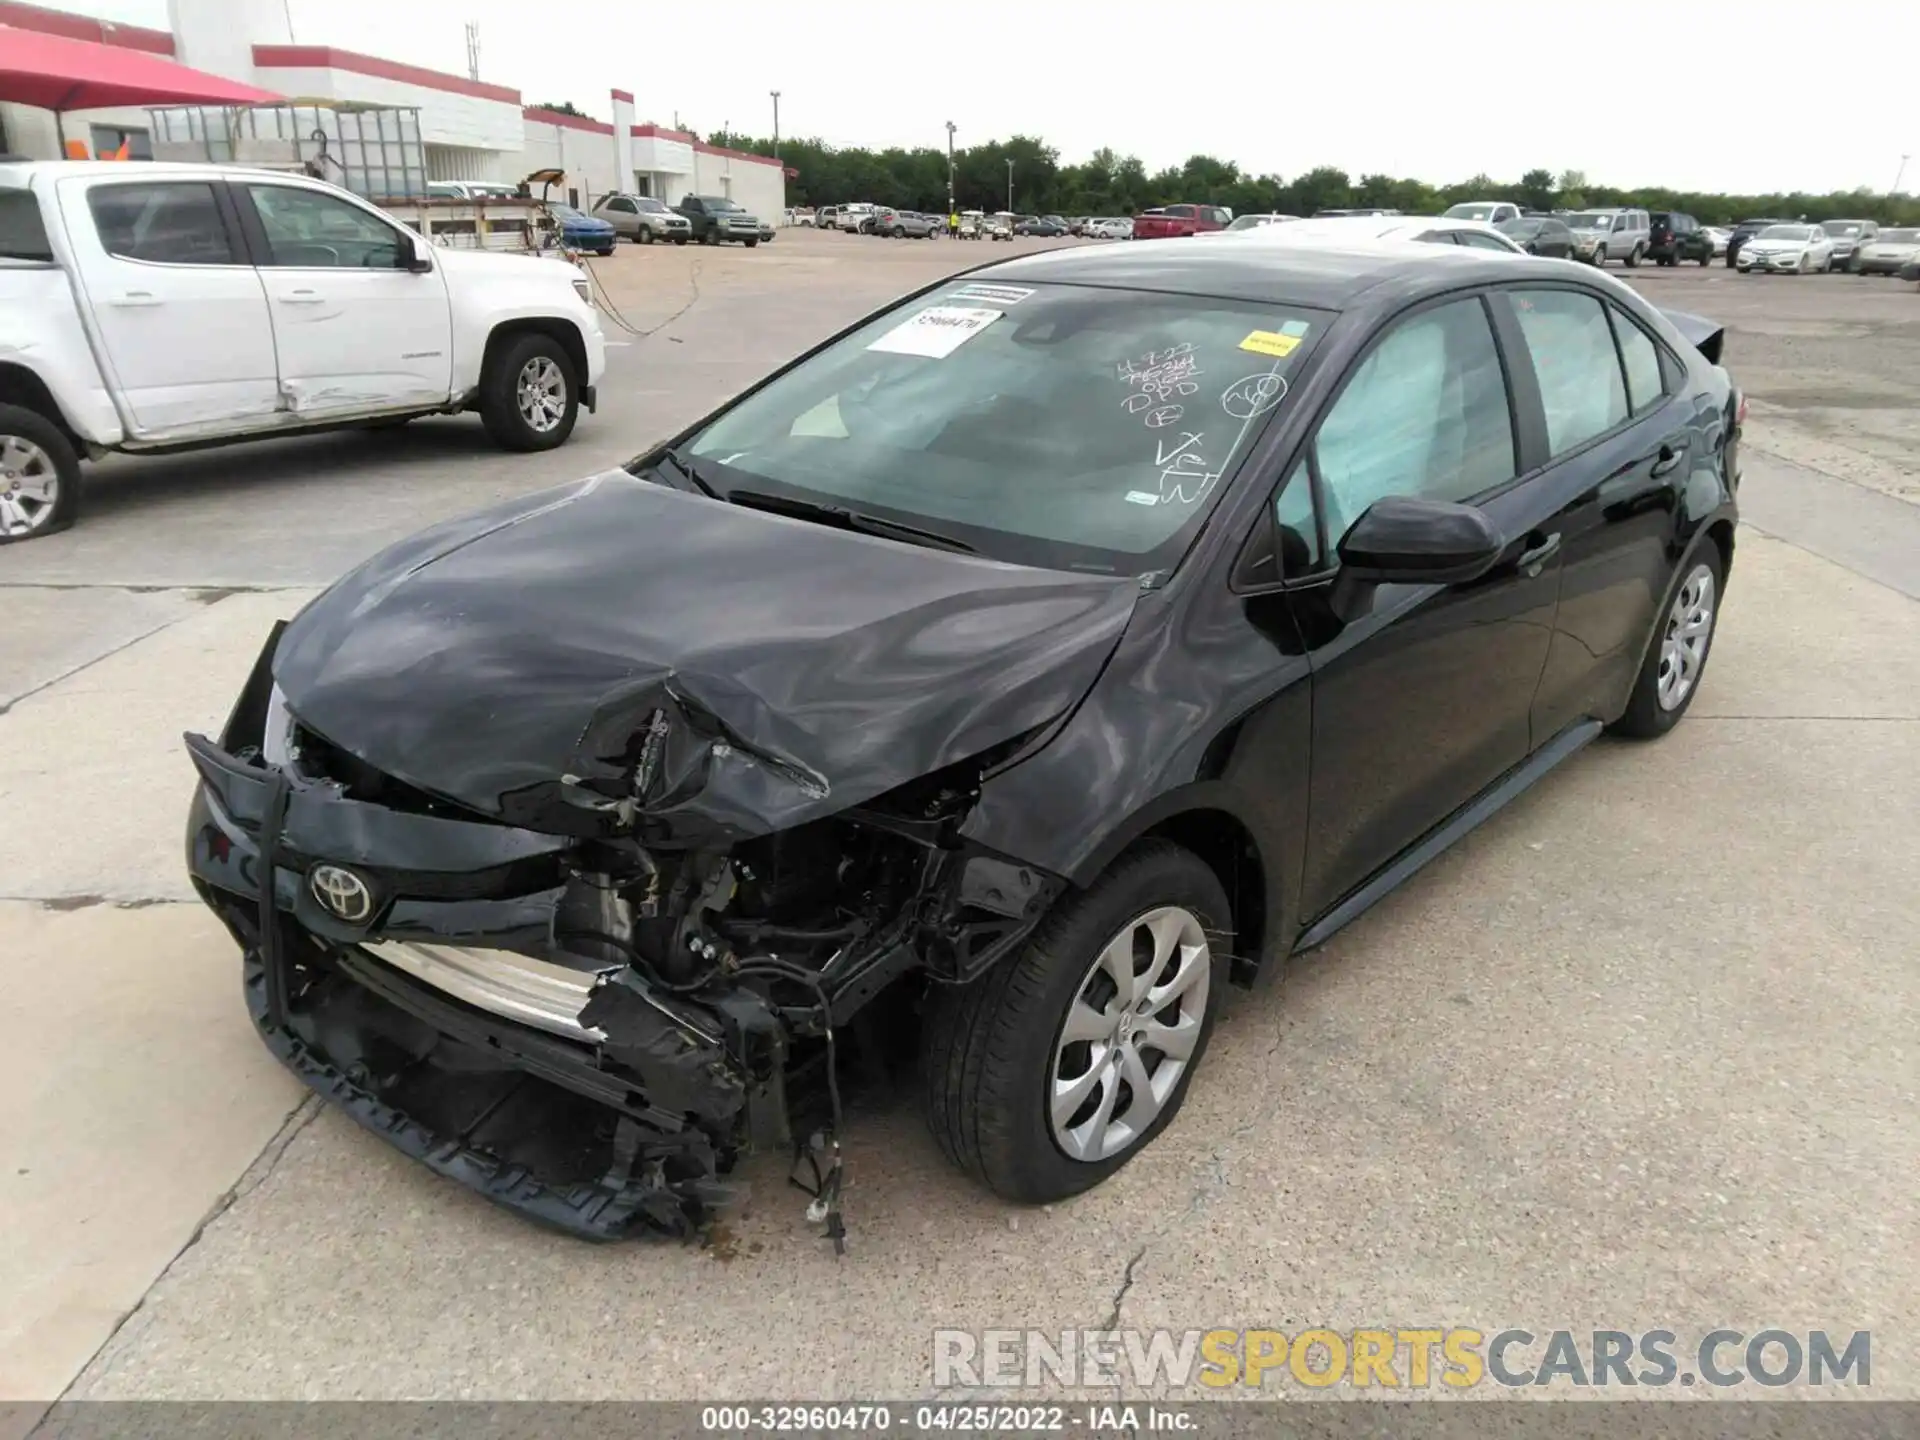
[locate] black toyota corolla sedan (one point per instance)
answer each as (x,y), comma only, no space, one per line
(1010,675)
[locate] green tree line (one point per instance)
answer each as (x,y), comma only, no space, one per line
(1108,183)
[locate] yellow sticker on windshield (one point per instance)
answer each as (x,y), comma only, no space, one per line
(1269,342)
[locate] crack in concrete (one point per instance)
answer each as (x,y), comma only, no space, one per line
(251,1179)
(65,903)
(66,675)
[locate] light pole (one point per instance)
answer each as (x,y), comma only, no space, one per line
(776,123)
(1009,184)
(949,170)
(1899,175)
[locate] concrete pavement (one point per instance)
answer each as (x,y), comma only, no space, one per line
(1638,1052)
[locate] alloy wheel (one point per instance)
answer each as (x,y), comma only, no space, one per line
(542,393)
(1129,1034)
(1683,648)
(29,486)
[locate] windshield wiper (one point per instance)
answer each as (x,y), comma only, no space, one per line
(846,519)
(688,469)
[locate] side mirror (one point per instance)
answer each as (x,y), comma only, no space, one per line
(419,256)
(1406,541)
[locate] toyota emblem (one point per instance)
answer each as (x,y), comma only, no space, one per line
(341,893)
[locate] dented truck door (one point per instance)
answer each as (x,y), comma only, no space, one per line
(357,329)
(160,270)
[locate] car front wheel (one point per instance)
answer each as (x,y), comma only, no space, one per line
(1677,657)
(1047,1074)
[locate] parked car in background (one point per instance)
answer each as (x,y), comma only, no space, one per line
(801,217)
(470,190)
(1362,210)
(645,219)
(579,231)
(1110,227)
(328,313)
(1719,235)
(852,217)
(1492,212)
(1044,226)
(1796,249)
(1848,236)
(827,217)
(716,219)
(1433,229)
(1887,252)
(1545,235)
(1673,236)
(909,224)
(1603,235)
(1744,232)
(1255,222)
(1170,221)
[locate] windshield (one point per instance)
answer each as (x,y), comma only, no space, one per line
(1470,212)
(651,207)
(1785,232)
(1251,222)
(1069,427)
(1590,220)
(1900,237)
(1520,227)
(726,205)
(1842,227)
(565,212)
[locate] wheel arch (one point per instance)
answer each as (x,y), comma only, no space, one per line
(1203,819)
(564,331)
(24,388)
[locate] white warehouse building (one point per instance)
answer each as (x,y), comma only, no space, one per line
(470,130)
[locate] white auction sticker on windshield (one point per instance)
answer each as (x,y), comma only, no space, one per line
(936,332)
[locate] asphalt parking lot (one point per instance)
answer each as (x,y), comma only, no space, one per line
(1638,1053)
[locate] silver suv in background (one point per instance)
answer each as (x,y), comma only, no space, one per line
(1603,235)
(1849,238)
(643,218)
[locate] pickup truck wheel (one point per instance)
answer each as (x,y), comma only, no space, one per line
(39,476)
(530,397)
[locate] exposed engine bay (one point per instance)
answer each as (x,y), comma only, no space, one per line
(593,1028)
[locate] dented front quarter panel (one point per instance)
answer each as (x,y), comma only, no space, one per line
(516,662)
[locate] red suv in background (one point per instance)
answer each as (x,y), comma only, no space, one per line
(1169,220)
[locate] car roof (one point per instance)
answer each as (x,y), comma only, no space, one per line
(1328,276)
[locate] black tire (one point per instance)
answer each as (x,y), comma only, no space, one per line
(499,394)
(1645,717)
(751,243)
(1633,258)
(605,254)
(679,239)
(989,1048)
(706,237)
(55,451)
(645,237)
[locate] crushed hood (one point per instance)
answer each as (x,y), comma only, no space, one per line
(617,653)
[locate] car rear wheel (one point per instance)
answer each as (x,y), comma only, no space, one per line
(1057,1067)
(1677,657)
(530,397)
(39,476)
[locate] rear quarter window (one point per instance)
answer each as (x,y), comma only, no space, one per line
(23,236)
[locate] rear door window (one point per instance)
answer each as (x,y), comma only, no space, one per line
(23,235)
(1641,358)
(175,222)
(1582,387)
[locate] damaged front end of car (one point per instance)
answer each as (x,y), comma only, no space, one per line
(592,1003)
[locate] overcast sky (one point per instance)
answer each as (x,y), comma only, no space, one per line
(1687,95)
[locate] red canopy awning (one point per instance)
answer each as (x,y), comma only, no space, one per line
(55,73)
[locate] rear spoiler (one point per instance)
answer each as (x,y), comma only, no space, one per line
(1703,334)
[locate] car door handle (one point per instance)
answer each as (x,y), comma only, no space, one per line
(1536,555)
(136,297)
(303,297)
(1671,453)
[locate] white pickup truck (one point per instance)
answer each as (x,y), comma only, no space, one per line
(156,307)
